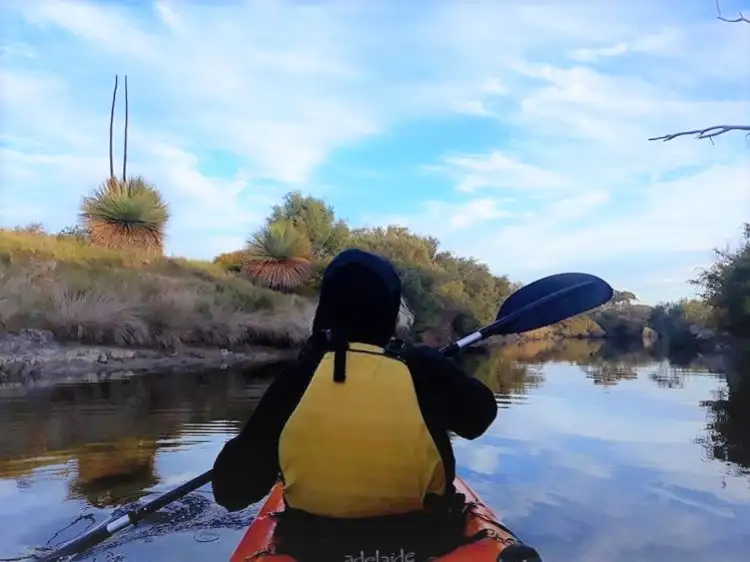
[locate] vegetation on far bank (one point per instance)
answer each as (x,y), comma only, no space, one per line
(85,293)
(106,292)
(452,295)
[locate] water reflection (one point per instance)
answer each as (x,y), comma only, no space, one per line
(111,474)
(588,433)
(604,466)
(727,436)
(63,420)
(101,446)
(504,375)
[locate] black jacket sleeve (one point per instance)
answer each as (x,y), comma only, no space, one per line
(461,404)
(248,465)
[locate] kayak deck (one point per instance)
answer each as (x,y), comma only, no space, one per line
(257,545)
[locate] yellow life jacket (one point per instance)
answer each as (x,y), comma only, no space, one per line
(359,448)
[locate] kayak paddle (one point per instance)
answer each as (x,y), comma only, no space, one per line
(538,304)
(110,527)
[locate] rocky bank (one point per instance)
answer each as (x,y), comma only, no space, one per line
(35,358)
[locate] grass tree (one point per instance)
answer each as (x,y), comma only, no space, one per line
(279,256)
(128,214)
(125,213)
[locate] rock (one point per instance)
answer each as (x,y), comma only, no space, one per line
(121,353)
(26,340)
(649,336)
(88,355)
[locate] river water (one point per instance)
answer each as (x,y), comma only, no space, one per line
(596,456)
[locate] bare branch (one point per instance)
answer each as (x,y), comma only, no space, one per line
(739,19)
(716,130)
(707,133)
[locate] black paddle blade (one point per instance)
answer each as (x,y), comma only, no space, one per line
(541,303)
(549,300)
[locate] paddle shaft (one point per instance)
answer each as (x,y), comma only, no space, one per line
(109,528)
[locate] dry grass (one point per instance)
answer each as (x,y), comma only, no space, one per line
(93,295)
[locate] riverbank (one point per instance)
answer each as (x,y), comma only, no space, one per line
(33,358)
(71,312)
(94,296)
(105,312)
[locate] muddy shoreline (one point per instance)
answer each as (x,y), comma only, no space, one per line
(33,358)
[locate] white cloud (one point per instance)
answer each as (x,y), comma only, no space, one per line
(499,170)
(654,43)
(683,215)
(452,217)
(481,458)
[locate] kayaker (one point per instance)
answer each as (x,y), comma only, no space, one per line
(354,432)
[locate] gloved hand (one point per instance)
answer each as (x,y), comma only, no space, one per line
(429,359)
(424,352)
(315,347)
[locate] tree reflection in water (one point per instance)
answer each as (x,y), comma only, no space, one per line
(503,375)
(727,435)
(111,474)
(511,370)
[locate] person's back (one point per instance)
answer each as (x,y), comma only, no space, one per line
(359,447)
(354,432)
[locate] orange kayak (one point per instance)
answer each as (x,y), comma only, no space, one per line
(500,545)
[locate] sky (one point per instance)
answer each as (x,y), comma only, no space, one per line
(514,132)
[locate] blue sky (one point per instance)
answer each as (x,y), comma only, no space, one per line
(515,132)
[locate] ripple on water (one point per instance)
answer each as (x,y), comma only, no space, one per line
(508,400)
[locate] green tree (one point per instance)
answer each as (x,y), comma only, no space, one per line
(445,291)
(127,214)
(622,320)
(419,286)
(232,261)
(396,243)
(621,300)
(680,322)
(317,220)
(482,291)
(279,256)
(726,287)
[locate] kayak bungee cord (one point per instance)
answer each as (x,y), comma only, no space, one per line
(544,302)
